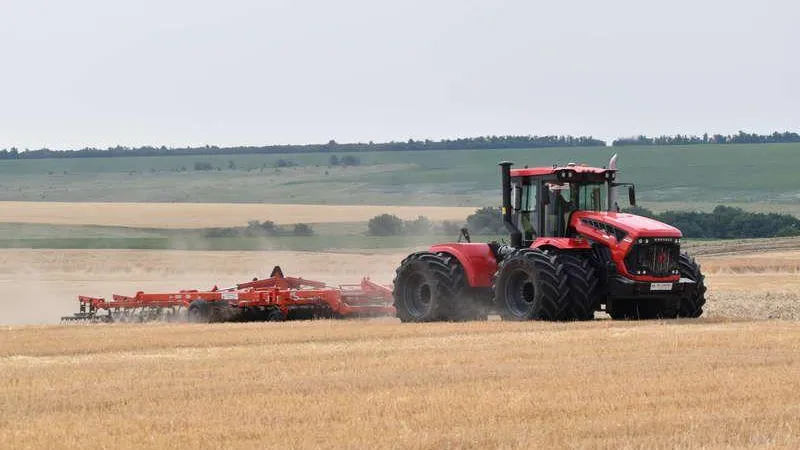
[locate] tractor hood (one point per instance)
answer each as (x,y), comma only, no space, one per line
(633,225)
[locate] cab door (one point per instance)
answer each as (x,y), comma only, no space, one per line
(526,209)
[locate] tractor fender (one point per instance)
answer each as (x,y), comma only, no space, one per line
(477,259)
(562,243)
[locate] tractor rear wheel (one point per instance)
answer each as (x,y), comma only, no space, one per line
(425,287)
(200,311)
(583,285)
(531,285)
(692,304)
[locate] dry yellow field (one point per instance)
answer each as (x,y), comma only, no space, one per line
(372,384)
(730,379)
(201,215)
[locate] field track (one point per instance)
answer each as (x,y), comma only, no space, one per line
(201,215)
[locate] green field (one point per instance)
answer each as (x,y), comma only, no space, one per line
(753,176)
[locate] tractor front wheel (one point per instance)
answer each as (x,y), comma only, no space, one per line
(425,287)
(531,285)
(583,284)
(692,304)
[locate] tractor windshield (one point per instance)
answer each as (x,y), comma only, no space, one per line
(569,197)
(591,196)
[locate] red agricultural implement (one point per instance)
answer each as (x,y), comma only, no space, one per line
(276,298)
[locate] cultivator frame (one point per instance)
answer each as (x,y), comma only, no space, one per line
(276,298)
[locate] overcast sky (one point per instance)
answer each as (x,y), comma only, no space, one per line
(240,72)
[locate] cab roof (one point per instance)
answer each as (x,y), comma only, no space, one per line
(541,171)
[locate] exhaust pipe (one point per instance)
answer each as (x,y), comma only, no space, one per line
(515,235)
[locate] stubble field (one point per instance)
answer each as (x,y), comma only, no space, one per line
(688,384)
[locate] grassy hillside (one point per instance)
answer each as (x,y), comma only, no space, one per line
(696,175)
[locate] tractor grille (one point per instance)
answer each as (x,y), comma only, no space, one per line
(656,257)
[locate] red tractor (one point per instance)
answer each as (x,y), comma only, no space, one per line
(571,253)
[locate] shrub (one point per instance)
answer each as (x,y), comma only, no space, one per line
(385,225)
(420,226)
(350,160)
(488,220)
(333,160)
(285,163)
(450,228)
(203,166)
(303,229)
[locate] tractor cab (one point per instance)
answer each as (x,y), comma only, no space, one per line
(543,199)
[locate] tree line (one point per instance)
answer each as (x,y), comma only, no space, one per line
(725,222)
(740,138)
(474,143)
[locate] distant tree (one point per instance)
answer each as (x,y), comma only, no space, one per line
(488,220)
(333,160)
(350,160)
(385,225)
(639,211)
(450,228)
(303,229)
(231,165)
(285,163)
(203,166)
(420,226)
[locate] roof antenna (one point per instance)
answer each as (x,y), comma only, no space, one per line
(612,164)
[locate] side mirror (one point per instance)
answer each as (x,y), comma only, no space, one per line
(545,195)
(632,195)
(517,200)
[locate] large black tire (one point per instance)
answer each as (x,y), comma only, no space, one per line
(425,288)
(531,285)
(466,303)
(200,311)
(692,305)
(583,286)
